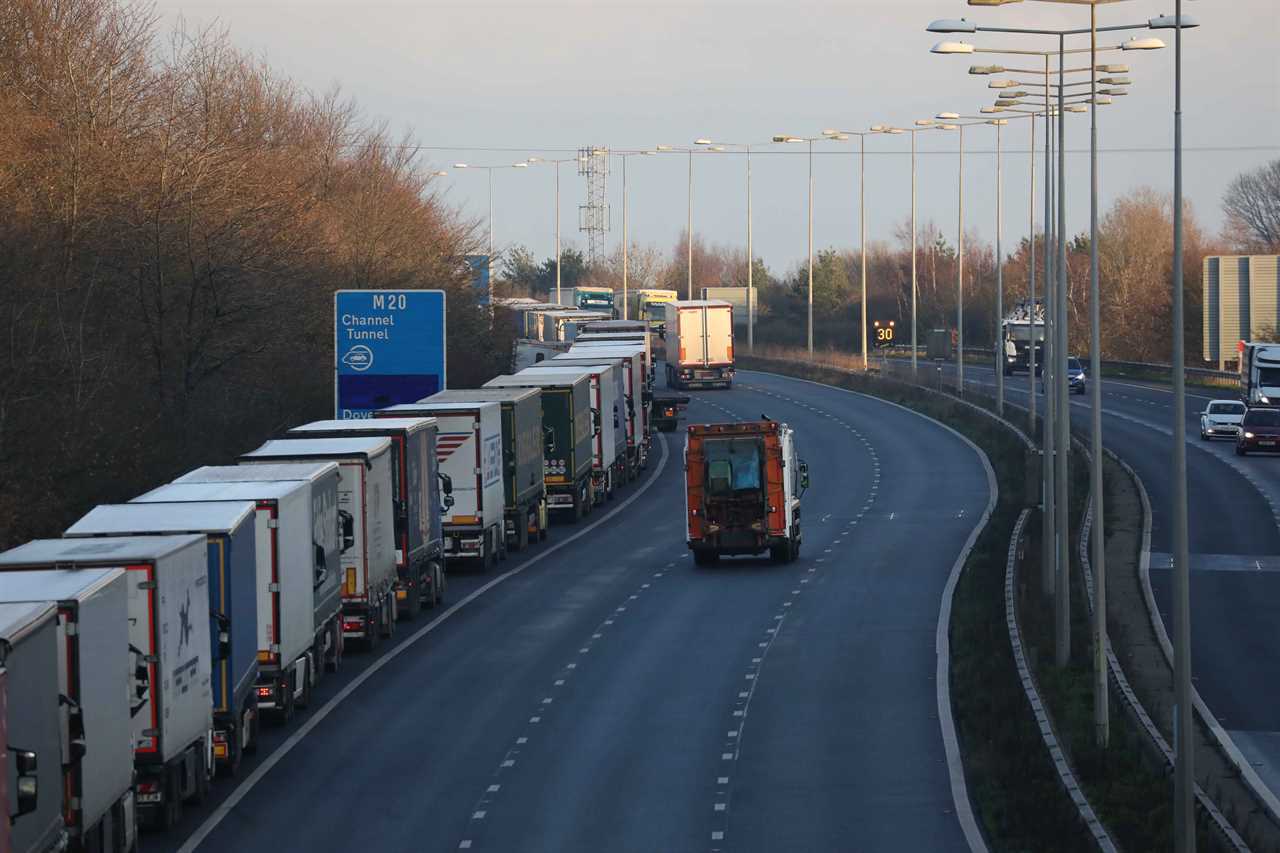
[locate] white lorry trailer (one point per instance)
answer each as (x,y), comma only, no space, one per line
(416,499)
(170,691)
(233,601)
(87,776)
(699,344)
(299,603)
(367,557)
(1260,375)
(630,362)
(469,450)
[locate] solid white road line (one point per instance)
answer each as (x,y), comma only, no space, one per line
(224,808)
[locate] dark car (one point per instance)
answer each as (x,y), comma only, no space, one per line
(1075,375)
(1260,431)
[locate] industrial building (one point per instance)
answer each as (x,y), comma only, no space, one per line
(1241,303)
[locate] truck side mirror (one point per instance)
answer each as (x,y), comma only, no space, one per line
(446,484)
(804,474)
(28,785)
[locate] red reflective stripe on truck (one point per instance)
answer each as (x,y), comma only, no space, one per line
(404,498)
(150,651)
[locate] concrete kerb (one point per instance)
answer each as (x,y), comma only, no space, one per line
(1127,695)
(942,641)
(1066,777)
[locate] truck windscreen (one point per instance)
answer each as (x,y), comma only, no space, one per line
(1269,376)
(733,465)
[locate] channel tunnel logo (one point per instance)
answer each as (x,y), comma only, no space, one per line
(359,357)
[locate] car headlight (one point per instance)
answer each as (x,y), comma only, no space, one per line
(1262,398)
(1248,435)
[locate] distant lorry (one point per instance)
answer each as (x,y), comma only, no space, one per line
(666,411)
(646,305)
(1260,374)
(568,434)
(416,500)
(587,299)
(169,688)
(299,593)
(699,344)
(610,468)
(469,453)
(630,363)
(231,529)
(1016,338)
(367,557)
(528,353)
(744,484)
(939,345)
(524,491)
(67,666)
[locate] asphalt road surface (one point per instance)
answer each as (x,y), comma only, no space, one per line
(610,695)
(1234,537)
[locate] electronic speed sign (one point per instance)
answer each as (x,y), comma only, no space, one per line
(884,333)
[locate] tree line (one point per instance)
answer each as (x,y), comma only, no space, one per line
(1135,248)
(176,218)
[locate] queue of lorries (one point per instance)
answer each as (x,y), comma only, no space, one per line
(141,652)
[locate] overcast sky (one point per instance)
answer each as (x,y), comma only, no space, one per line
(542,79)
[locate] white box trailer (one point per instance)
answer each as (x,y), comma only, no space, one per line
(641,387)
(629,365)
(469,450)
(29,713)
(299,603)
(92,758)
(367,556)
(528,353)
(620,338)
(231,528)
(608,394)
(417,499)
(699,342)
(172,710)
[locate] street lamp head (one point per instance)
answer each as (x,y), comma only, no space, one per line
(1018,94)
(535,160)
(664,147)
(948,127)
(924,122)
(990,110)
(1170,22)
(1101,100)
(991,2)
(893,130)
(439,173)
(951,47)
(947,116)
(1115,81)
(519,165)
(1142,44)
(716,148)
(1001,84)
(460,166)
(1075,108)
(1007,102)
(950,25)
(785,138)
(1115,93)
(986,69)
(702,141)
(830,132)
(1111,69)
(998,122)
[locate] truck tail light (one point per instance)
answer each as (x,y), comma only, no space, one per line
(148,788)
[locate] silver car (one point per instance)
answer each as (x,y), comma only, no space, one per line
(1221,419)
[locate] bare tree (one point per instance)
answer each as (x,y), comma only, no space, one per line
(1252,206)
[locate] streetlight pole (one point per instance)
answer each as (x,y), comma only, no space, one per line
(913,255)
(1031,279)
(1062,437)
(862,214)
(959,253)
(751,302)
(999,123)
(689,229)
(810,297)
(489,169)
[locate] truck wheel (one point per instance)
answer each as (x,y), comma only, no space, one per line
(286,688)
(388,627)
(231,767)
(201,782)
(501,539)
(438,588)
(335,656)
(522,534)
(304,700)
(487,557)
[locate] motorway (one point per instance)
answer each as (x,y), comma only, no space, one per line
(609,695)
(1234,536)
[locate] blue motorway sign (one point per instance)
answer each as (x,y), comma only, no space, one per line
(389,348)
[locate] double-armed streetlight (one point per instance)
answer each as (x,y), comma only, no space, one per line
(786,138)
(626,239)
(672,149)
(491,170)
(862,212)
(751,294)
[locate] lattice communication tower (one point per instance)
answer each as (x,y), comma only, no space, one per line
(593,217)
